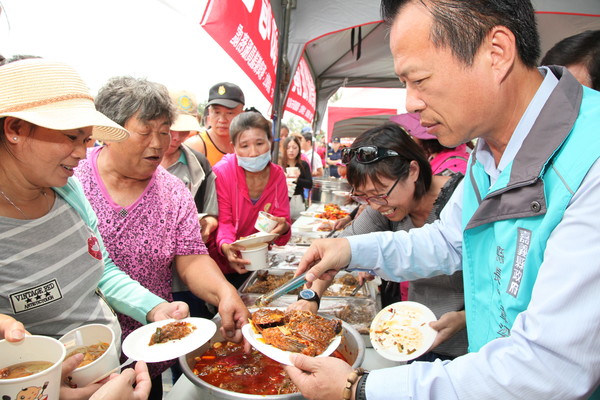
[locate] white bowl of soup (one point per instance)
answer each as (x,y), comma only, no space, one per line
(97,343)
(31,368)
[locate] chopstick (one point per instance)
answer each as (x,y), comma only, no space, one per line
(330,234)
(127,362)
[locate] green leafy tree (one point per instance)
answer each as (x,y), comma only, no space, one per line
(295,124)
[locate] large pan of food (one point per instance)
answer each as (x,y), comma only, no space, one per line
(221,370)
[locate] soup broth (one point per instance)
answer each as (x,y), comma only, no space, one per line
(24,369)
(226,366)
(90,353)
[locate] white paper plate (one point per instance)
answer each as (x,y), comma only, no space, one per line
(322,223)
(307,224)
(256,238)
(279,355)
(136,346)
(341,193)
(401,331)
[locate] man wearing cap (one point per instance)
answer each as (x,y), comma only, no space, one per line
(195,171)
(306,144)
(334,157)
(225,101)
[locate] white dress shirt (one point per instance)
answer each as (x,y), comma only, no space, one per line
(554,348)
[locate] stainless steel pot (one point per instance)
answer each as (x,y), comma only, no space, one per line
(323,188)
(326,196)
(352,348)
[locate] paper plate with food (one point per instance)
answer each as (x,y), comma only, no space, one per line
(307,225)
(332,211)
(401,331)
(278,333)
(256,238)
(324,226)
(341,193)
(168,339)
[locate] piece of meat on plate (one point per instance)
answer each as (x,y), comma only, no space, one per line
(265,318)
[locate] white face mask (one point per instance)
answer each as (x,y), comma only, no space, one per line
(254,164)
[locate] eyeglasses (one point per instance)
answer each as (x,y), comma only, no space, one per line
(367,154)
(380,199)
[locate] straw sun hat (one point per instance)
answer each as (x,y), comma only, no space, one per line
(52,95)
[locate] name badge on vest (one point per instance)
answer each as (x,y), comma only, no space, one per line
(523,242)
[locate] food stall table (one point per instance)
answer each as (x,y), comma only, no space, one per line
(308,227)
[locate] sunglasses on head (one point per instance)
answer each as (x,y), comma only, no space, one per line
(366,154)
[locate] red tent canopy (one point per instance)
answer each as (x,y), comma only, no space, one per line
(335,114)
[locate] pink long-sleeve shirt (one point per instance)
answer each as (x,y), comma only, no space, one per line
(237,212)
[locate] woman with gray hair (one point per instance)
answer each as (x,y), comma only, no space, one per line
(147,216)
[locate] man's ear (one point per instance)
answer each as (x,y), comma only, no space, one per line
(502,48)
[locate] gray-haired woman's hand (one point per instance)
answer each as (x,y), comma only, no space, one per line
(121,386)
(167,310)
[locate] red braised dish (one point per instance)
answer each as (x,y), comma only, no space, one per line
(226,366)
(172,331)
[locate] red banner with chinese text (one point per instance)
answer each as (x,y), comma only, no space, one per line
(247,31)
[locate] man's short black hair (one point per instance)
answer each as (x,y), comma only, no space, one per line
(307,136)
(461,25)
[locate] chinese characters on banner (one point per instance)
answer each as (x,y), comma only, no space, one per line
(302,98)
(247,31)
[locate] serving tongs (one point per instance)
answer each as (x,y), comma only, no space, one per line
(357,288)
(287,287)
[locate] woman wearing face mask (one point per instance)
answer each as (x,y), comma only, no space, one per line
(247,183)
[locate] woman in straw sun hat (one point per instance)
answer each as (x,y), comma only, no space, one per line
(56,273)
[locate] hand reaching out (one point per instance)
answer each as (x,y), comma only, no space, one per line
(447,326)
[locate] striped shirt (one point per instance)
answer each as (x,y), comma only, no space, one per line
(50,268)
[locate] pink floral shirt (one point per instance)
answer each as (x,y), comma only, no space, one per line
(144,238)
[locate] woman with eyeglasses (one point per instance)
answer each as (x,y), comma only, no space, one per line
(390,174)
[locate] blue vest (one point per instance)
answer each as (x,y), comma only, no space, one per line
(506,226)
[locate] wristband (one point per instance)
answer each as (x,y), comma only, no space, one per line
(350,381)
(361,388)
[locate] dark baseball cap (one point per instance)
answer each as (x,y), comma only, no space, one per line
(226,94)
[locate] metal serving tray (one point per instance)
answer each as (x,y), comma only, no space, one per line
(358,311)
(258,283)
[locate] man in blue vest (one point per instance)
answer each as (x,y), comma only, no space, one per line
(524,228)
